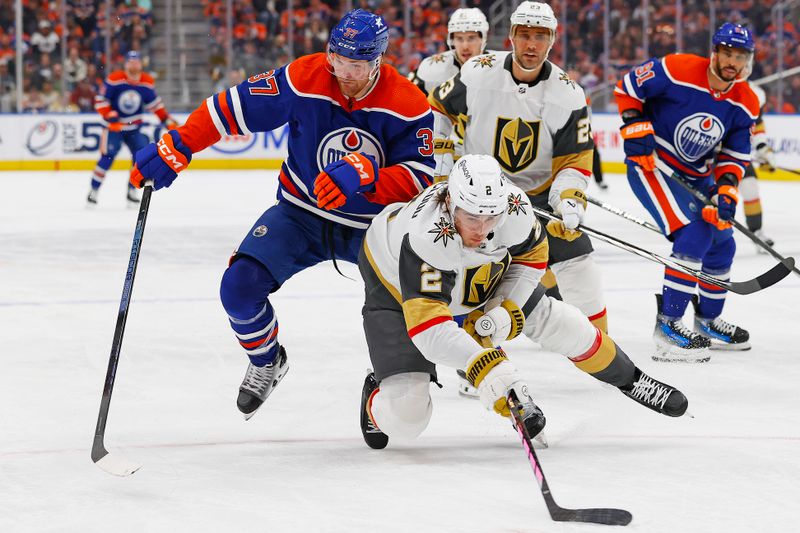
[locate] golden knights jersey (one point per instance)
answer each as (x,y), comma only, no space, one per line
(419,257)
(435,70)
(538,132)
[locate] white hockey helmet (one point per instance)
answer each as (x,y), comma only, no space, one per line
(468,19)
(477,185)
(534,14)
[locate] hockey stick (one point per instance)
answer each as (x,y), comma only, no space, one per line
(624,214)
(113,463)
(736,224)
(770,277)
(609,517)
(789,170)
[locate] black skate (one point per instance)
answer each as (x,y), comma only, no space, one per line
(677,343)
(655,395)
(259,382)
(374,437)
(532,416)
(721,334)
(133,197)
(91,199)
(465,388)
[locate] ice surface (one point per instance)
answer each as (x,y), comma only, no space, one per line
(300,464)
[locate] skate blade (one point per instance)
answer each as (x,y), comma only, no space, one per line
(728,347)
(540,441)
(702,356)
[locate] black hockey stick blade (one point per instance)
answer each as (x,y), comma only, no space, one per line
(114,464)
(770,277)
(603,516)
(767,279)
(736,224)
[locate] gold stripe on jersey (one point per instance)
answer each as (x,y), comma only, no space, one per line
(418,311)
(481,281)
(537,254)
(543,187)
(581,160)
(389,287)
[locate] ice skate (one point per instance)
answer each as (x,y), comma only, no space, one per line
(532,416)
(259,382)
(677,343)
(91,199)
(464,388)
(761,235)
(721,334)
(133,197)
(655,395)
(374,437)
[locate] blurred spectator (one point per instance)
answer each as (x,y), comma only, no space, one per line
(45,41)
(8,89)
(33,102)
(82,97)
(75,68)
(51,98)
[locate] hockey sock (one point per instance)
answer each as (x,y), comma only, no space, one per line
(606,361)
(244,292)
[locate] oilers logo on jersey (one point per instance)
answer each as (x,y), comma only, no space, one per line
(129,102)
(339,143)
(697,134)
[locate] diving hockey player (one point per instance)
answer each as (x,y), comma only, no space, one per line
(534,120)
(122,101)
(678,112)
(360,138)
(471,247)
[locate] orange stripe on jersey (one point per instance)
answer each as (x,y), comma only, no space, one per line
(288,185)
(539,266)
(423,313)
(678,274)
(666,156)
(672,219)
(222,100)
(396,184)
(393,92)
(429,324)
(709,286)
(199,131)
(624,101)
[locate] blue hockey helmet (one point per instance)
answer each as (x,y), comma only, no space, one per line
(734,36)
(360,35)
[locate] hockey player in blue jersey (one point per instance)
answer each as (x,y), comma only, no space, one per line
(123,100)
(679,112)
(360,138)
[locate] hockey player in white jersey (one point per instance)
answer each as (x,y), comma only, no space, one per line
(762,155)
(467,31)
(534,120)
(451,275)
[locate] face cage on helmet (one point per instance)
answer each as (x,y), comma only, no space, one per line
(374,66)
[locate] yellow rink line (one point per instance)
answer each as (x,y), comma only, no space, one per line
(272,164)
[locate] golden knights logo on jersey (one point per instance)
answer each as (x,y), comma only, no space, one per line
(516,143)
(481,281)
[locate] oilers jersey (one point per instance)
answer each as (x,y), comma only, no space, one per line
(130,98)
(419,257)
(392,123)
(690,119)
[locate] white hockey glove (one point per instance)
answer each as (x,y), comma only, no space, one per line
(572,209)
(503,320)
(764,155)
(494,376)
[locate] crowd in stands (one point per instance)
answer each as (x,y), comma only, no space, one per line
(260,31)
(64,58)
(260,39)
